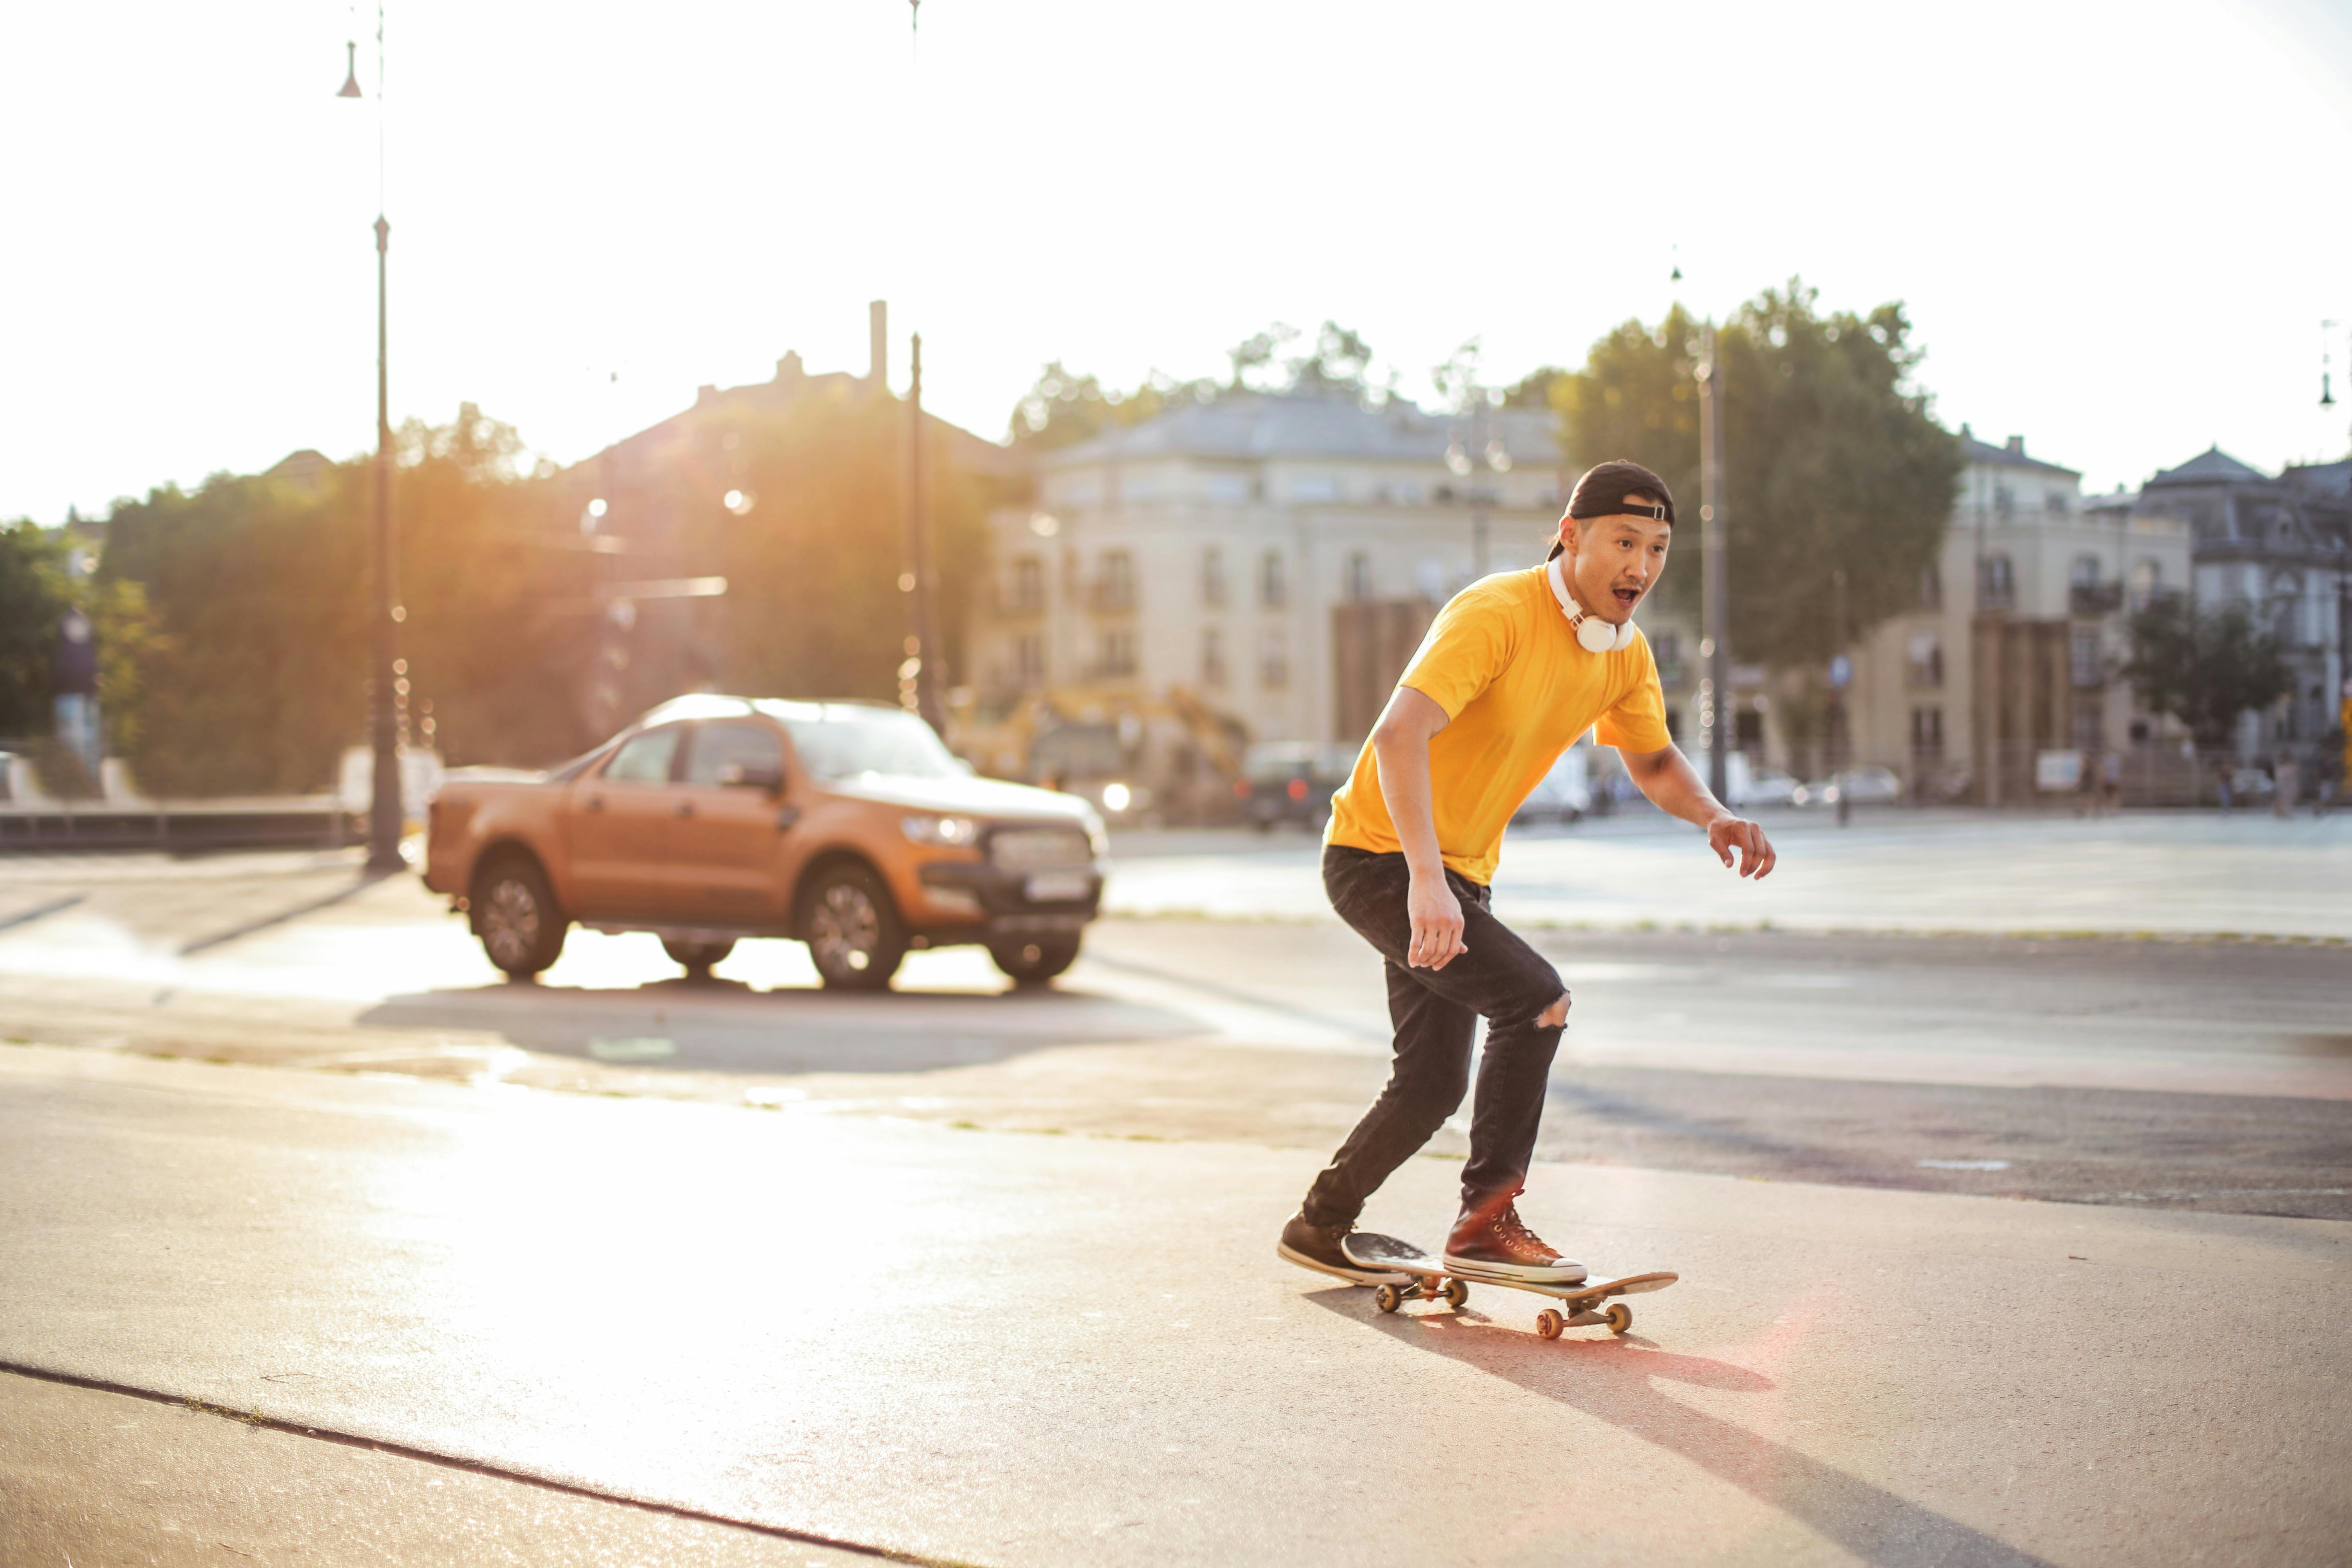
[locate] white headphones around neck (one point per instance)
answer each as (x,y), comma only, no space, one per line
(1593,634)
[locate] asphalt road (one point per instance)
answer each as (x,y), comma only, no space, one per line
(973,1348)
(784,1276)
(2177,1073)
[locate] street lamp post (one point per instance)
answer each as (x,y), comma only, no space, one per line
(920,675)
(385,613)
(1715,606)
(1484,447)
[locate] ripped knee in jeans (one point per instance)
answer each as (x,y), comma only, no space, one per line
(1556,1015)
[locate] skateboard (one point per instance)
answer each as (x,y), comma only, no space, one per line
(1427,1279)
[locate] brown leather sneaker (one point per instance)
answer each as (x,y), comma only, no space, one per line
(1492,1240)
(1317,1246)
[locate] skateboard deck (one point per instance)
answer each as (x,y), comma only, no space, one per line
(1428,1279)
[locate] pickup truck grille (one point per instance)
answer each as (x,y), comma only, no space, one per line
(1039,848)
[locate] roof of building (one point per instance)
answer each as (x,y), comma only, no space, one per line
(2012,456)
(2319,479)
(1252,425)
(2212,466)
(791,383)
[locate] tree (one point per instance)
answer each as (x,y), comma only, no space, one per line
(1832,460)
(2204,669)
(33,595)
(1062,408)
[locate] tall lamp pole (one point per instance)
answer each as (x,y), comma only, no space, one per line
(385,613)
(1715,647)
(920,676)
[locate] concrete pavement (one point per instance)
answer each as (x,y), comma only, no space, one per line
(1003,1348)
(2143,873)
(94,1478)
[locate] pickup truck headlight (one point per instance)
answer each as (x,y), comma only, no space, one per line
(949,830)
(1097,839)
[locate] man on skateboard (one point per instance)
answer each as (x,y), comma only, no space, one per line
(1514,670)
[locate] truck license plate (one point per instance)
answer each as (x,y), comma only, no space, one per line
(1058,887)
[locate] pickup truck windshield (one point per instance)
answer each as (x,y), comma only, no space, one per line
(849,741)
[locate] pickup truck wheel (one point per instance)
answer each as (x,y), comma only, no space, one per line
(516,917)
(852,928)
(698,956)
(1033,961)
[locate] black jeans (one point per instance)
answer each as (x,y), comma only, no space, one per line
(1435,1011)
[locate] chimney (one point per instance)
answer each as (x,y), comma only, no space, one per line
(705,395)
(2017,446)
(788,369)
(877,327)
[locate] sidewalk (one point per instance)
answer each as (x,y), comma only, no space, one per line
(1001,1349)
(2164,874)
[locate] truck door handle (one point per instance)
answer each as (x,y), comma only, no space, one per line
(685,808)
(787,818)
(595,803)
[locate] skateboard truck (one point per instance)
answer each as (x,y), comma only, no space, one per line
(1386,1253)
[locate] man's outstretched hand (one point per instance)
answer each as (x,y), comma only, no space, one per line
(1730,834)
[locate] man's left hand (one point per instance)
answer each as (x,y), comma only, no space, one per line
(1732,833)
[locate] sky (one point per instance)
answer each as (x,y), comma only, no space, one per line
(2118,228)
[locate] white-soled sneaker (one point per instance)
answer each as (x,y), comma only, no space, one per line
(1494,1241)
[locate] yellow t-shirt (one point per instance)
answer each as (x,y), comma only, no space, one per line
(1518,690)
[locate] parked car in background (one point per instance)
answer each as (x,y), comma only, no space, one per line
(1292,782)
(1565,793)
(1857,787)
(1769,786)
(847,825)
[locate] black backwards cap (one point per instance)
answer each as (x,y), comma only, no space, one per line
(1602,491)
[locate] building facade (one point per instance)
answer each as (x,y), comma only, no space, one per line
(1221,549)
(2013,650)
(2281,548)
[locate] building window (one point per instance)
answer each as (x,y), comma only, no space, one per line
(1358,584)
(2003,503)
(1927,661)
(2147,583)
(1931,586)
(1667,650)
(1927,732)
(2090,733)
(2086,596)
(1115,653)
(1273,663)
(1026,593)
(1213,657)
(1116,589)
(1029,660)
(2055,502)
(2286,591)
(1212,578)
(1998,591)
(2088,664)
(1273,584)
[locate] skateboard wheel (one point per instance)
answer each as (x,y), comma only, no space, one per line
(1620,1316)
(1386,1298)
(1548,1324)
(1456,1292)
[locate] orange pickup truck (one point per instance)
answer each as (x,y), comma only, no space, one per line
(847,825)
